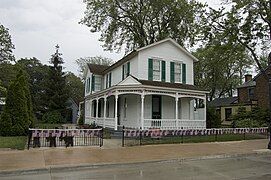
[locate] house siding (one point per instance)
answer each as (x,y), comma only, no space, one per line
(168,52)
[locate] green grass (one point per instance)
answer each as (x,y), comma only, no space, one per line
(13,142)
(198,139)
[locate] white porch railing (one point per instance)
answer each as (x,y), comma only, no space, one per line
(168,124)
(109,122)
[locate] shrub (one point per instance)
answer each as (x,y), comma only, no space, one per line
(213,119)
(257,117)
(81,120)
(52,117)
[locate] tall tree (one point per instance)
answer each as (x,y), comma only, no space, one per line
(7,73)
(55,86)
(6,46)
(75,86)
(246,22)
(221,68)
(17,115)
(37,74)
(137,23)
(81,62)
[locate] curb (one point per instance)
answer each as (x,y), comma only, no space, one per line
(58,168)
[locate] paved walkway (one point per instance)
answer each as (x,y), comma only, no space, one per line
(79,156)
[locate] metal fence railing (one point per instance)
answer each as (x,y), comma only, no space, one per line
(64,137)
(132,137)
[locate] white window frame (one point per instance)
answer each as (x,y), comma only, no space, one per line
(178,74)
(158,70)
(96,84)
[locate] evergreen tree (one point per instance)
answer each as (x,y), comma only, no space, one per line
(17,114)
(56,91)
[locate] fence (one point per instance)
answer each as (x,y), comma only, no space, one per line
(132,137)
(64,137)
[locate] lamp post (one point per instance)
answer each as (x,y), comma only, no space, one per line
(269,86)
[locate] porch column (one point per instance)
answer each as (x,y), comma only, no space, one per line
(176,111)
(105,100)
(204,103)
(90,111)
(142,111)
(116,112)
(97,107)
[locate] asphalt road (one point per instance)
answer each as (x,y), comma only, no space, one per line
(250,167)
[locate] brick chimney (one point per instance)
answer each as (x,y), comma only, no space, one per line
(248,77)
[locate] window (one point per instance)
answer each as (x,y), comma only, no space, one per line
(87,85)
(98,83)
(125,70)
(177,71)
(228,113)
(108,80)
(156,70)
(251,93)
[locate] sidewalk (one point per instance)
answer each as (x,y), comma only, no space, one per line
(42,159)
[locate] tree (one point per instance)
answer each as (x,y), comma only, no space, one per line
(6,45)
(221,68)
(75,86)
(81,62)
(3,90)
(56,92)
(137,23)
(247,23)
(213,119)
(37,74)
(16,117)
(7,73)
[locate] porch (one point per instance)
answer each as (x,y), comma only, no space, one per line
(147,108)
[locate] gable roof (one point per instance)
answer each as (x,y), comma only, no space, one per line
(98,69)
(218,102)
(174,43)
(250,83)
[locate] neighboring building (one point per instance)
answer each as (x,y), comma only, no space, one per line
(72,111)
(151,87)
(226,107)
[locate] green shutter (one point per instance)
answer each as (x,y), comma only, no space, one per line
(163,71)
(110,76)
(128,69)
(122,71)
(106,81)
(184,73)
(172,72)
(150,72)
(93,83)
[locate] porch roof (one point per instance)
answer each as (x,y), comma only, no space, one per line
(169,85)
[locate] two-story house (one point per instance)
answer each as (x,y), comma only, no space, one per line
(151,87)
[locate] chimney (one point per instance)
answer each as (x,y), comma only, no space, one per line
(248,77)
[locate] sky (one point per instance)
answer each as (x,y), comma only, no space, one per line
(37,26)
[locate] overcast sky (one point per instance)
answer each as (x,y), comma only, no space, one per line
(36,26)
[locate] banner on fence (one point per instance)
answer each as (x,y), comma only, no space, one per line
(64,132)
(191,132)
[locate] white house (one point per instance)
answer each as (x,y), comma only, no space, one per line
(151,87)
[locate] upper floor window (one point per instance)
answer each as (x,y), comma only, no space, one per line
(157,70)
(125,70)
(96,83)
(177,72)
(108,80)
(87,84)
(251,92)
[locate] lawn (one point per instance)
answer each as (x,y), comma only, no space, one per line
(14,142)
(194,139)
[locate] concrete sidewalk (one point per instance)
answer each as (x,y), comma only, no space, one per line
(42,159)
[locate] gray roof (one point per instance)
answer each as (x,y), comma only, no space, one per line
(218,102)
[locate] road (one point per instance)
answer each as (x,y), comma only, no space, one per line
(250,167)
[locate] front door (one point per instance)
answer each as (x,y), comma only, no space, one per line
(156,107)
